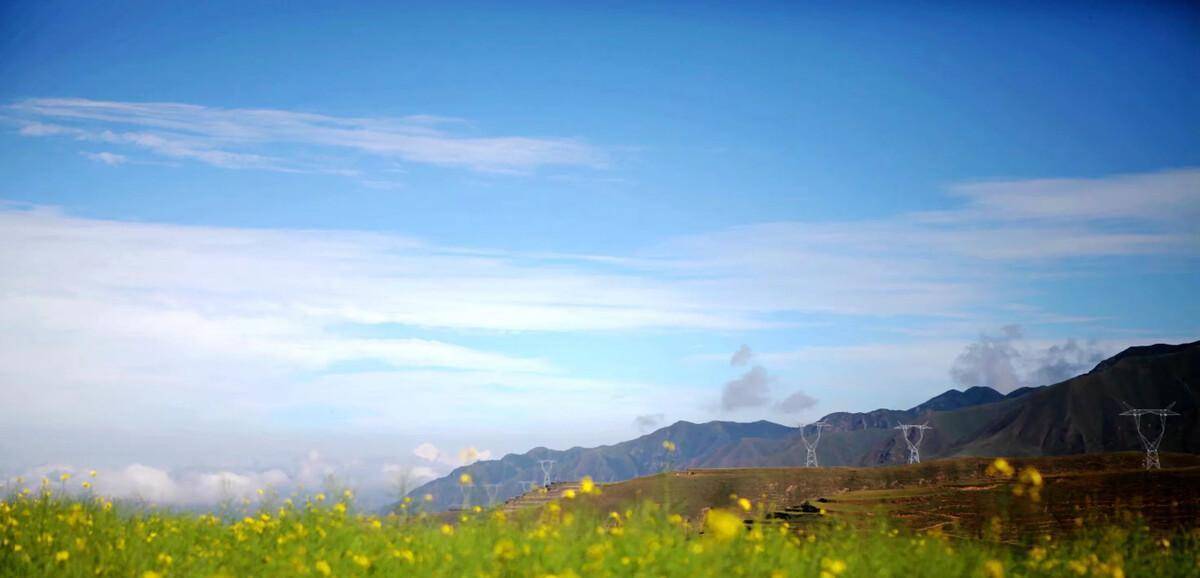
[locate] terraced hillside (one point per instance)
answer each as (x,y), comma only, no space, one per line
(957,495)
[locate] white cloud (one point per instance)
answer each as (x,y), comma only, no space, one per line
(648,422)
(155,485)
(466,456)
(797,402)
(239,138)
(742,356)
(107,158)
(427,452)
(373,482)
(160,327)
(1158,196)
(751,389)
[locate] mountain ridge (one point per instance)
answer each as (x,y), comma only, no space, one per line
(1078,415)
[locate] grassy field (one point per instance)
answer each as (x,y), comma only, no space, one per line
(589,532)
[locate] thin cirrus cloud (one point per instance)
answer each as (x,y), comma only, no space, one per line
(291,141)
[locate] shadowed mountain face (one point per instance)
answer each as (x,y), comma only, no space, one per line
(1079,415)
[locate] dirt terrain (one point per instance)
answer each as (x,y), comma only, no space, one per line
(957,496)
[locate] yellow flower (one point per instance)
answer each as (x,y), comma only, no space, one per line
(744,503)
(993,569)
(833,566)
(376,524)
(669,445)
(62,556)
(586,485)
(323,568)
(504,550)
(319,497)
(64,477)
(348,495)
(1000,467)
(86,485)
(722,524)
(1032,477)
(165,559)
(151,574)
(362,560)
(569,494)
(464,479)
(92,473)
(447,529)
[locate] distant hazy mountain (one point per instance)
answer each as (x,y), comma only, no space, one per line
(1075,416)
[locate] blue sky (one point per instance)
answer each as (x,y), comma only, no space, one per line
(362,229)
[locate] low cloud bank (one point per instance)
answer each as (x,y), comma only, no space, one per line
(1004,362)
(374,483)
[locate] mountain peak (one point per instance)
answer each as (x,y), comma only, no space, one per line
(954,399)
(1143,351)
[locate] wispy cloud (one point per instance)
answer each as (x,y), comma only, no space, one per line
(1160,196)
(111,159)
(171,326)
(293,141)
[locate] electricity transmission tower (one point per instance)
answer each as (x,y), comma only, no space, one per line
(1150,444)
(914,445)
(810,460)
(547,467)
(492,490)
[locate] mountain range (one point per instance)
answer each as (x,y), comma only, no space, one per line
(1079,415)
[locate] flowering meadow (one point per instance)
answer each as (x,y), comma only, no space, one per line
(49,533)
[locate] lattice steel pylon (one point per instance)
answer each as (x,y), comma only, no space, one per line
(492,490)
(810,460)
(1150,444)
(914,446)
(547,466)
